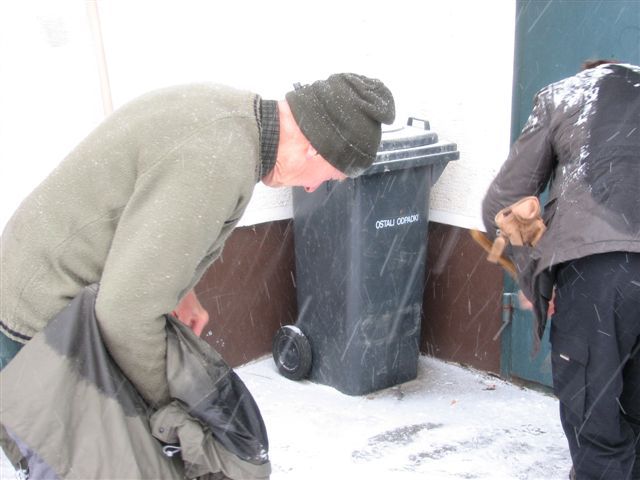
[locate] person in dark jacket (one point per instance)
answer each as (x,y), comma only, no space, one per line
(582,139)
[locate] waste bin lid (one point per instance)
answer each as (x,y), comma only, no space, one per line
(407,136)
(411,146)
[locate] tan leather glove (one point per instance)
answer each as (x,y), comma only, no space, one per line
(520,224)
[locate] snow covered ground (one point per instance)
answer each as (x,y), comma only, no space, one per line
(449,423)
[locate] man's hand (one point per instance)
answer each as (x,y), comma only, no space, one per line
(525,304)
(190,312)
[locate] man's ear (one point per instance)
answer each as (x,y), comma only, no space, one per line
(311,152)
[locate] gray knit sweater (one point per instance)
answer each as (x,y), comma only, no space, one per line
(142,206)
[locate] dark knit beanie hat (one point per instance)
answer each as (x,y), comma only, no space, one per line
(341,117)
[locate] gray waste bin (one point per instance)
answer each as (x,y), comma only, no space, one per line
(360,248)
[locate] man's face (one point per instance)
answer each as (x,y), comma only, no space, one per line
(302,167)
(318,171)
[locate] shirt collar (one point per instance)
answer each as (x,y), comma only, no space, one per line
(269,124)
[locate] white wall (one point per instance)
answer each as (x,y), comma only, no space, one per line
(448,61)
(49,94)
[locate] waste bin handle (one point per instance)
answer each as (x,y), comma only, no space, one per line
(425,123)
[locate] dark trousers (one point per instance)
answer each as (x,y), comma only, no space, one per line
(595,344)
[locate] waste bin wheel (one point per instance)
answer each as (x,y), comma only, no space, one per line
(292,352)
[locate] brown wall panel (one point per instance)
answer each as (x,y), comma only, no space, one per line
(249,291)
(462,300)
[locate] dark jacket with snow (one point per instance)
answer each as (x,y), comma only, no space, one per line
(73,414)
(583,136)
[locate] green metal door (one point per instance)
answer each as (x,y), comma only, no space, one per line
(553,38)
